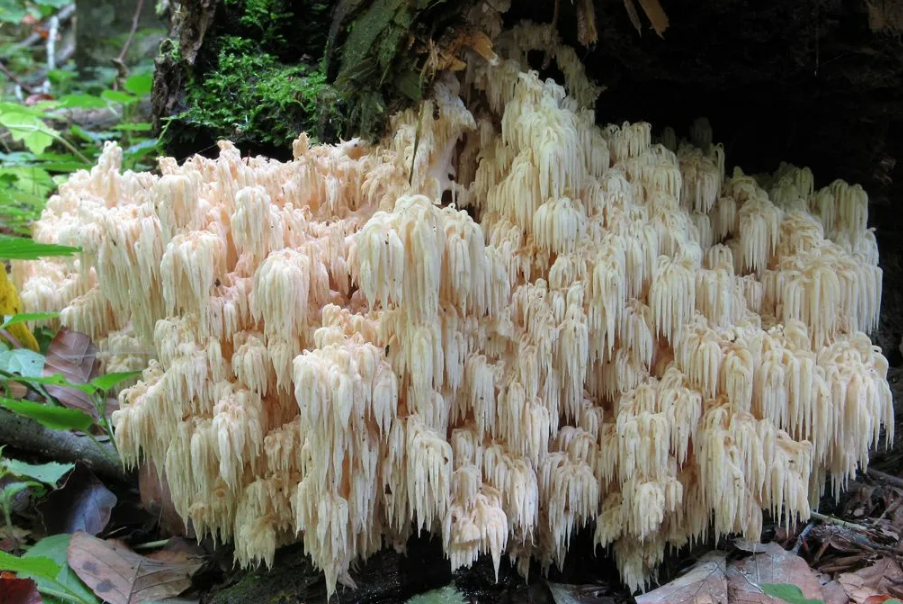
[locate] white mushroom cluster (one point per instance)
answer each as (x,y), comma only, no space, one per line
(501,324)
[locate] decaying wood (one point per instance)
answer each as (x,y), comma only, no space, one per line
(26,435)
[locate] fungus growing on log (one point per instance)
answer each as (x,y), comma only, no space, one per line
(600,330)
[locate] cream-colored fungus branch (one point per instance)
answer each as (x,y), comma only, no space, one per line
(600,330)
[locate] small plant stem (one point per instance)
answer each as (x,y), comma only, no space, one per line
(151,545)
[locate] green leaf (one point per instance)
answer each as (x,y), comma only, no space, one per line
(51,380)
(19,248)
(12,489)
(29,179)
(48,473)
(107,381)
(137,127)
(22,361)
(54,418)
(117,96)
(37,566)
(28,129)
(17,108)
(140,85)
(55,548)
(12,14)
(28,316)
(788,593)
(89,136)
(81,101)
(65,167)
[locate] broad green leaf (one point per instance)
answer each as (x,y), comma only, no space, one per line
(28,129)
(17,108)
(17,158)
(107,381)
(14,488)
(56,548)
(117,96)
(30,178)
(140,84)
(36,566)
(89,136)
(788,593)
(19,248)
(61,76)
(444,595)
(22,361)
(51,380)
(137,127)
(81,101)
(28,316)
(48,473)
(54,418)
(66,167)
(53,3)
(12,14)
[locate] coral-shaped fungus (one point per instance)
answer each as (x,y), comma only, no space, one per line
(501,324)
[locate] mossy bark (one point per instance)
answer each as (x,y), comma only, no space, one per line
(259,72)
(247,70)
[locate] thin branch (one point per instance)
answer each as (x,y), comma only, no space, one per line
(15,79)
(135,18)
(837,521)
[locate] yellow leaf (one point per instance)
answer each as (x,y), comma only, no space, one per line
(11,304)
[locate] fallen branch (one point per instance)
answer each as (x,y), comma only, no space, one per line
(837,521)
(26,435)
(893,481)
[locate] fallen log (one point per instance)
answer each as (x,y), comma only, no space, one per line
(27,435)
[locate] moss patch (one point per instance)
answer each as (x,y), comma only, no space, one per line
(252,96)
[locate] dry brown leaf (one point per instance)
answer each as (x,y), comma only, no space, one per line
(118,575)
(770,564)
(656,15)
(156,499)
(72,354)
(877,579)
(481,43)
(83,503)
(705,583)
(18,591)
(834,593)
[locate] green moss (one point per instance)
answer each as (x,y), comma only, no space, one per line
(252,97)
(265,19)
(279,25)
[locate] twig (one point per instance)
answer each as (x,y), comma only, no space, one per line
(135,18)
(151,545)
(14,78)
(839,522)
(889,479)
